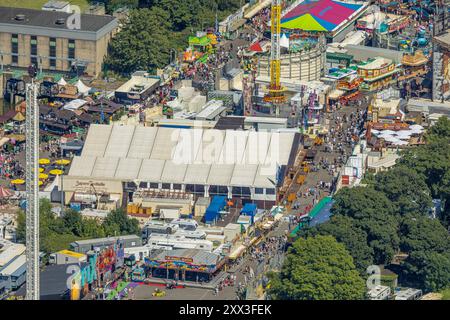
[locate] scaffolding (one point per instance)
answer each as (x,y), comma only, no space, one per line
(276,91)
(32,187)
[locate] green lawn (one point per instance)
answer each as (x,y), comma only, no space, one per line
(445,294)
(37,4)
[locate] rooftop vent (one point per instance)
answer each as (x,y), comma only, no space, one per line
(19,17)
(60,21)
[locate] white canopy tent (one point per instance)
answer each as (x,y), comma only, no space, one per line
(62,82)
(82,88)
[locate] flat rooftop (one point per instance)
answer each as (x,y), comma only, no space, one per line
(158,154)
(47,19)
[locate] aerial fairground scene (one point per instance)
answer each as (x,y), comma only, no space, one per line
(224,150)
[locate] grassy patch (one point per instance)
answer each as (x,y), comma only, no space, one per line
(445,294)
(37,4)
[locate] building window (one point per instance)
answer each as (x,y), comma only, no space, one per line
(270,191)
(176,186)
(52,53)
(166,186)
(259,190)
(71,49)
(15,48)
(33,50)
(154,185)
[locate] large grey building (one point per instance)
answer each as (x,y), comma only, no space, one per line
(54,40)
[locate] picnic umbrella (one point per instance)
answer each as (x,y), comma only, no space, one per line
(41,170)
(40,183)
(56,172)
(400,143)
(4,193)
(43,176)
(18,181)
(44,161)
(416,127)
(63,162)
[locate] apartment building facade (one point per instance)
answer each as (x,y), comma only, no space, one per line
(54,41)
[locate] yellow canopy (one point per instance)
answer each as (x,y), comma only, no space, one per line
(44,161)
(18,181)
(56,172)
(62,162)
(41,170)
(19,117)
(43,176)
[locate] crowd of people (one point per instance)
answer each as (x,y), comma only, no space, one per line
(10,167)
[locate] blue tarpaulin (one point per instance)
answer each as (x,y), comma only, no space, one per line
(213,211)
(249,209)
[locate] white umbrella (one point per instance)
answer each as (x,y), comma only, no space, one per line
(388,132)
(416,131)
(374,131)
(404,137)
(400,143)
(384,135)
(416,127)
(403,132)
(391,139)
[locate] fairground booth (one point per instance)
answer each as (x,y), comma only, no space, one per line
(184,264)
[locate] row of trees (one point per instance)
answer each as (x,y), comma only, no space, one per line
(158,28)
(56,233)
(390,215)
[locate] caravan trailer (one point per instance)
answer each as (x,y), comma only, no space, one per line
(185,224)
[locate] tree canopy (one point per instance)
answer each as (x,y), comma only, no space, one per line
(158,27)
(318,268)
(406,189)
(345,230)
(57,233)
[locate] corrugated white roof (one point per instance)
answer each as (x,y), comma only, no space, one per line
(119,141)
(96,140)
(151,170)
(128,168)
(265,177)
(233,147)
(257,146)
(197,174)
(10,253)
(220,174)
(142,144)
(13,266)
(105,167)
(165,142)
(82,166)
(170,155)
(211,147)
(173,172)
(243,175)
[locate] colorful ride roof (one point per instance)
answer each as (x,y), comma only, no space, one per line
(318,15)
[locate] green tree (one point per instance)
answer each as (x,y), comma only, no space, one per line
(317,268)
(374,213)
(118,222)
(345,230)
(406,189)
(142,44)
(73,222)
(428,270)
(419,233)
